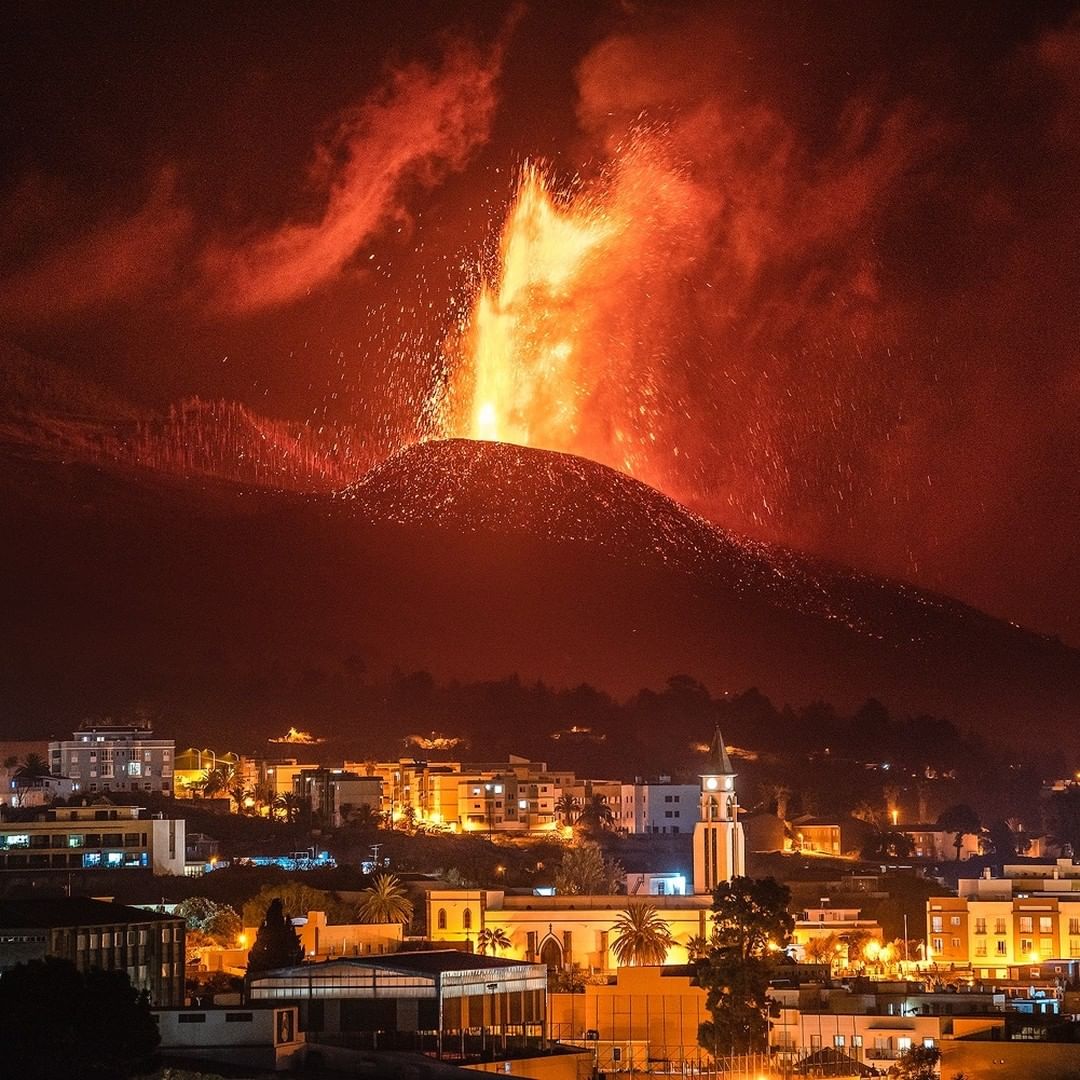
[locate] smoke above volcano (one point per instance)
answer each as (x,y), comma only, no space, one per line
(809,269)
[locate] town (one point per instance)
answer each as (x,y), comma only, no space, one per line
(279,911)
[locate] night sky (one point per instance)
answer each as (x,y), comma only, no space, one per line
(856,316)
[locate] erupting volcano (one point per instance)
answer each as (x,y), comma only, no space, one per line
(559,350)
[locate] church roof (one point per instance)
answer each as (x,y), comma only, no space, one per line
(719,763)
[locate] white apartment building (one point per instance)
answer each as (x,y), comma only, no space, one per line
(115,758)
(660,807)
(93,838)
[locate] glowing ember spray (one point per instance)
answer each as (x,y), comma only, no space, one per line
(520,345)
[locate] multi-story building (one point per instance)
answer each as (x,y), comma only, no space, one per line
(123,757)
(938,844)
(93,838)
(337,794)
(516,795)
(93,934)
(659,807)
(1029,915)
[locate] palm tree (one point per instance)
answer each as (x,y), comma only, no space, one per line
(34,765)
(386,902)
(596,814)
(566,806)
(217,779)
(495,940)
(697,948)
(240,793)
(643,937)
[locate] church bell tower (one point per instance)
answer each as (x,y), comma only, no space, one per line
(719,847)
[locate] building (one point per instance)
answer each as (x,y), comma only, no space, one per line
(444,1000)
(937,844)
(93,837)
(660,807)
(337,794)
(820,836)
(27,790)
(645,1020)
(243,1037)
(564,931)
(94,934)
(824,923)
(192,766)
(874,1023)
(121,757)
(719,845)
(1029,915)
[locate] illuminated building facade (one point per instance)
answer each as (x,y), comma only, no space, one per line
(719,846)
(93,838)
(563,931)
(103,758)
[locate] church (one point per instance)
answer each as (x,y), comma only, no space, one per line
(563,931)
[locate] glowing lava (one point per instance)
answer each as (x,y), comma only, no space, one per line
(521,349)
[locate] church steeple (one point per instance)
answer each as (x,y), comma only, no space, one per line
(718,836)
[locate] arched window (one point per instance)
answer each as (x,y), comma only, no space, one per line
(466,919)
(442,918)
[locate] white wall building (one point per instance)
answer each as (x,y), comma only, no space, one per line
(115,758)
(660,807)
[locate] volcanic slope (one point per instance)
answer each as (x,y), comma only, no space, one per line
(472,560)
(733,610)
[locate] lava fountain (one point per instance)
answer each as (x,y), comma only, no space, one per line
(521,342)
(566,344)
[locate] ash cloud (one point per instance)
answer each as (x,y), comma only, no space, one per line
(867,345)
(424,122)
(116,258)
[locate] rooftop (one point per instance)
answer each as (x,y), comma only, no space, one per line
(52,912)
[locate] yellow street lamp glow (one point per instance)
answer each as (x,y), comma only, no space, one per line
(1033,957)
(242,941)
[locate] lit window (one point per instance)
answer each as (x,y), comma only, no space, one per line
(903,1044)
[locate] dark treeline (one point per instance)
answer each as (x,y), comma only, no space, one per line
(826,761)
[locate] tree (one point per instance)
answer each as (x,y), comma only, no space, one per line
(960,820)
(1063,818)
(33,766)
(297,900)
(1002,839)
(919,1063)
(697,948)
(218,923)
(887,844)
(56,1021)
(584,871)
(566,806)
(385,902)
(596,815)
(217,780)
(750,920)
(493,940)
(750,914)
(822,950)
(363,817)
(277,945)
(643,937)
